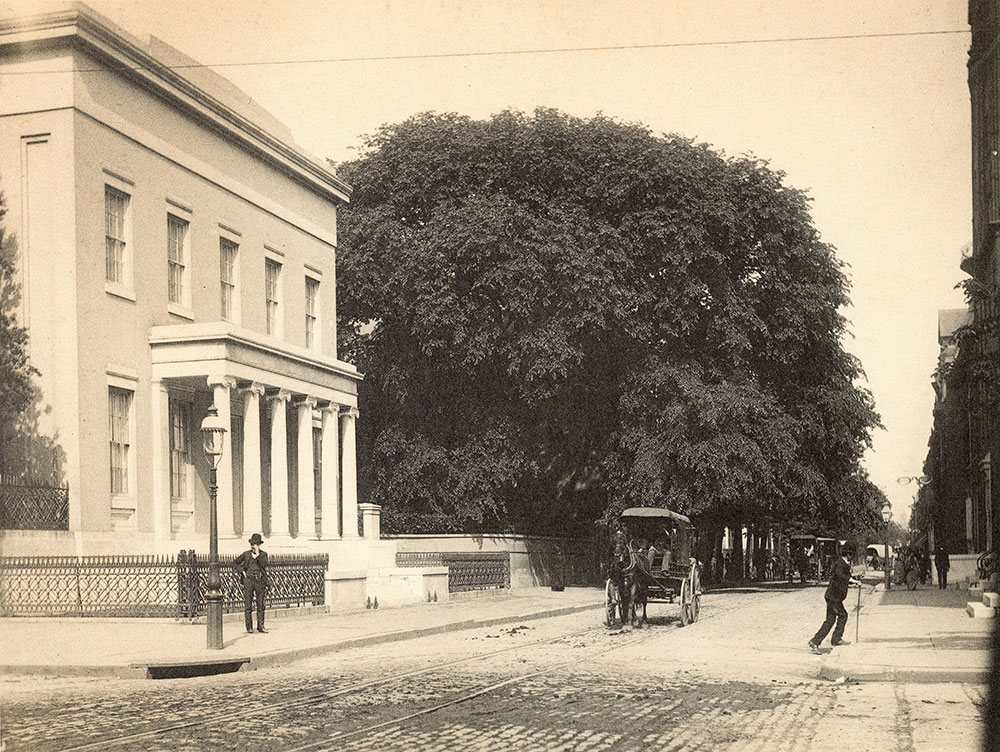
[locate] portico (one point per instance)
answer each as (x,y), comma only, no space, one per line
(292,412)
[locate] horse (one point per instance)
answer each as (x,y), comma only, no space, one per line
(637,584)
(621,559)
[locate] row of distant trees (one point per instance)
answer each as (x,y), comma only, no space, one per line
(561,317)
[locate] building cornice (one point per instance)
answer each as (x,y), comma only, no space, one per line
(218,332)
(122,54)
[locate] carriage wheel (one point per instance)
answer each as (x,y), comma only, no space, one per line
(686,615)
(612,603)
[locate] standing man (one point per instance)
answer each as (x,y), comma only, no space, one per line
(943,564)
(836,592)
(252,567)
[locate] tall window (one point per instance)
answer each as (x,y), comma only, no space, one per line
(180,448)
(176,258)
(227,277)
(272,290)
(115,205)
(119,409)
(312,310)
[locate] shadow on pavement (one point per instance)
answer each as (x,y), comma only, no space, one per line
(928,597)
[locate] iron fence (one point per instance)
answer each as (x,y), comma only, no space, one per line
(293,580)
(145,586)
(88,586)
(478,570)
(29,506)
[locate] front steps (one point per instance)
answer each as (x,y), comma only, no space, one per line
(984,609)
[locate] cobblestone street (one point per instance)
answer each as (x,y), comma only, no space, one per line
(565,683)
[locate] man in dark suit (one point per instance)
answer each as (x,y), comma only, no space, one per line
(836,592)
(943,564)
(252,567)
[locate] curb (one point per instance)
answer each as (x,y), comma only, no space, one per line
(140,669)
(907,674)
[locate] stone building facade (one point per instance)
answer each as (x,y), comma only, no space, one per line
(176,249)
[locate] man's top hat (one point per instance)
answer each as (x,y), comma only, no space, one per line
(255,538)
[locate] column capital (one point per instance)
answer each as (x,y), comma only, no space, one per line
(229,382)
(350,412)
(306,401)
(279,395)
(326,407)
(253,387)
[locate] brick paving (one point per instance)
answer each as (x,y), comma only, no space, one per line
(726,683)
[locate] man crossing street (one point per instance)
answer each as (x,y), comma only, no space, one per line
(836,592)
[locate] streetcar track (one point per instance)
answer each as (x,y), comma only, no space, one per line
(358,686)
(341,736)
(314,698)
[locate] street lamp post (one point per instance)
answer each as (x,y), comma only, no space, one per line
(886,516)
(213,432)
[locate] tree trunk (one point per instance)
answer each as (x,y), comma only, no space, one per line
(738,557)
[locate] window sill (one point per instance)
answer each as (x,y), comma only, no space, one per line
(119,290)
(176,309)
(181,504)
(123,503)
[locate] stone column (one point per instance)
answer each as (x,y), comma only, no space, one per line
(160,445)
(253,520)
(279,464)
(349,471)
(306,482)
(330,522)
(224,475)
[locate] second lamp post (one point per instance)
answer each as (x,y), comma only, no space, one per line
(213,434)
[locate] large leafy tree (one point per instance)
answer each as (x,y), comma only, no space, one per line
(15,371)
(560,317)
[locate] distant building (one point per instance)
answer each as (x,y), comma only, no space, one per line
(176,249)
(947,495)
(984,265)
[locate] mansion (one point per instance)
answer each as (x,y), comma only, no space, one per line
(175,249)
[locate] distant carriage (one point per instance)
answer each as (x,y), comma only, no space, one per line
(653,561)
(802,557)
(827,550)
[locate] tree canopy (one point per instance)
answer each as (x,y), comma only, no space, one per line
(560,317)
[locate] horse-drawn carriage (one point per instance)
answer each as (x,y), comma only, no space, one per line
(802,558)
(653,560)
(827,552)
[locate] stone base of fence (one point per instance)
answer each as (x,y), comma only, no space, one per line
(349,591)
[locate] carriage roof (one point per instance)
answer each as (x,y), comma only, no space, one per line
(654,512)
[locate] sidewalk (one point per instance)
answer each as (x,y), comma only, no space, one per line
(139,648)
(922,635)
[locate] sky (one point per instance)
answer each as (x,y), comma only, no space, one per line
(875,129)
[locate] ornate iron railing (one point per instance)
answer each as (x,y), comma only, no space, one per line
(145,586)
(466,571)
(88,586)
(26,506)
(293,580)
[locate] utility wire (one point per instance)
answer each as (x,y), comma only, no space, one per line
(499,53)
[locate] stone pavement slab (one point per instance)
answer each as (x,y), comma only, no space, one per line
(127,647)
(922,635)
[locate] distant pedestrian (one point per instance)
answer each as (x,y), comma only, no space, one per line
(943,564)
(836,592)
(252,567)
